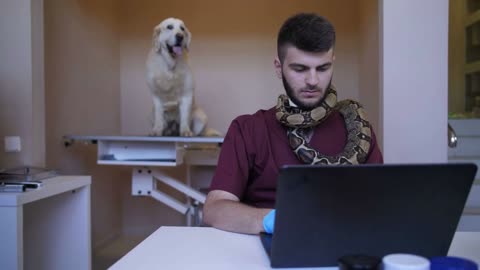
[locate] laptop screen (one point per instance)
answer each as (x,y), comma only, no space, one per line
(325,212)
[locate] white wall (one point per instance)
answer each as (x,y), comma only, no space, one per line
(21,82)
(414,80)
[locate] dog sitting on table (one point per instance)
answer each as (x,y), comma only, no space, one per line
(170,80)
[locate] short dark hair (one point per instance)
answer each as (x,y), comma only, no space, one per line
(306,31)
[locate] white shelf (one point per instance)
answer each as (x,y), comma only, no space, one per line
(50,187)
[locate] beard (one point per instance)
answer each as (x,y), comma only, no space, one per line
(302,105)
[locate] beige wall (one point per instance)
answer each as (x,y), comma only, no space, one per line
(231,54)
(369,64)
(82,97)
(456,56)
(21,82)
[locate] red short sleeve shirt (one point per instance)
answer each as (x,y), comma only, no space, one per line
(256,147)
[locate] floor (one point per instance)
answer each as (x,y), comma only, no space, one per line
(107,256)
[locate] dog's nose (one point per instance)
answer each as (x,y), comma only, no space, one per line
(179,37)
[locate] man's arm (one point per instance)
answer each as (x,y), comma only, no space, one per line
(224,211)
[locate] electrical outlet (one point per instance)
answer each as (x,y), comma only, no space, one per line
(13,144)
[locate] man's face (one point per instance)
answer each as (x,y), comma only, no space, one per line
(306,75)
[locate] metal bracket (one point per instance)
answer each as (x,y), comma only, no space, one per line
(144,184)
(145,152)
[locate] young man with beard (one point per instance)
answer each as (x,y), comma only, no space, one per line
(308,126)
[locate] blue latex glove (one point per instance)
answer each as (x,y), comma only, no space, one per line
(269,221)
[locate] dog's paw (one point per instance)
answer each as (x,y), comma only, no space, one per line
(186,132)
(156,132)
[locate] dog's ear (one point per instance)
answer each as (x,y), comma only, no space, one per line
(155,41)
(188,39)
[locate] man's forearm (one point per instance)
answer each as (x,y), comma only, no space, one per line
(234,216)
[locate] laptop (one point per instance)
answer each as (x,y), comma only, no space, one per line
(326,212)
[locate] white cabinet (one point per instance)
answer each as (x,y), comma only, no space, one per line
(47,228)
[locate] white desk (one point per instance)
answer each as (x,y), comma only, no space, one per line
(47,228)
(209,248)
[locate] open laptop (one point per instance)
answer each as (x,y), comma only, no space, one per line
(325,212)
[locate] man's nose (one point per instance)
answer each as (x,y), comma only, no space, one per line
(312,78)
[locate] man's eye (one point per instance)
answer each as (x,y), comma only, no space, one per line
(324,68)
(170,27)
(299,69)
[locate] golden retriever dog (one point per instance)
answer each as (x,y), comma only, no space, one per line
(171,83)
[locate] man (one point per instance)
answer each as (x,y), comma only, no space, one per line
(307,126)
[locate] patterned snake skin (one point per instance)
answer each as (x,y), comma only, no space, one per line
(359,136)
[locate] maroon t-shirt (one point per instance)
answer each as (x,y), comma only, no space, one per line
(256,147)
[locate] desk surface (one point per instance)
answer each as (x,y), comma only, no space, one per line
(209,248)
(50,187)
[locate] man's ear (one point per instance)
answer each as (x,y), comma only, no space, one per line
(155,42)
(278,67)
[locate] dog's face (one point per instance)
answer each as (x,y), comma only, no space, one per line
(171,35)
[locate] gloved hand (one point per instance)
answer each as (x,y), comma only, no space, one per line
(269,221)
